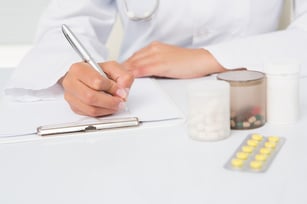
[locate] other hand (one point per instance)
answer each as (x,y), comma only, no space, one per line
(163,60)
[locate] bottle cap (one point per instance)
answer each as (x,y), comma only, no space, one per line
(282,67)
(244,77)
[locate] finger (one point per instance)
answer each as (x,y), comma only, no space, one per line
(144,52)
(122,77)
(147,66)
(80,108)
(92,78)
(152,49)
(92,97)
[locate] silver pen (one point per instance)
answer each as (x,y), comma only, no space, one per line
(83,53)
(80,49)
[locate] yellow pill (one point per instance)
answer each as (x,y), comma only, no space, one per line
(271,145)
(265,151)
(247,149)
(257,137)
(261,157)
(242,155)
(256,164)
(237,162)
(252,143)
(273,139)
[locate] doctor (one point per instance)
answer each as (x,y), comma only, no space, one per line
(169,38)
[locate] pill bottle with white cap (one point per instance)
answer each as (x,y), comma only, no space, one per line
(282,91)
(247,98)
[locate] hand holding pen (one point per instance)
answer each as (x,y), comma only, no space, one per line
(94,89)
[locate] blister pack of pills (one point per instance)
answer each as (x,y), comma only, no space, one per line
(255,154)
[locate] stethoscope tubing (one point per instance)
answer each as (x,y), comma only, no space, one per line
(147,15)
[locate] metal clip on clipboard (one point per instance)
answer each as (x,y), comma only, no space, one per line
(104,124)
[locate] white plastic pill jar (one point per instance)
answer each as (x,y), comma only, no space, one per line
(208,110)
(282,91)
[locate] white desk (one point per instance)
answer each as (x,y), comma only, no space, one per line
(151,165)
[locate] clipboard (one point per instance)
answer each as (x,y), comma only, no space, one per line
(141,104)
(105,124)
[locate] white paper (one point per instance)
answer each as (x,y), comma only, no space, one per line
(146,101)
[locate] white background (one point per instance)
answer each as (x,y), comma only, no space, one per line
(18,24)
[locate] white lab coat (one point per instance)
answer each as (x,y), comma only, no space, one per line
(239,33)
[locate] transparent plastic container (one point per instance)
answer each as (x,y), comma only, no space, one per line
(208,110)
(247,98)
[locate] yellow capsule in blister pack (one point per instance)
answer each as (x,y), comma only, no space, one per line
(261,157)
(252,143)
(265,150)
(256,164)
(257,137)
(273,139)
(242,155)
(247,149)
(255,153)
(237,162)
(271,145)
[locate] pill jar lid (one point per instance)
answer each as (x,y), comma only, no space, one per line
(282,67)
(243,77)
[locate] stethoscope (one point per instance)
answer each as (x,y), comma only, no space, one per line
(146,16)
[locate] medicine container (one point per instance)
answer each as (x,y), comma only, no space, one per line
(247,98)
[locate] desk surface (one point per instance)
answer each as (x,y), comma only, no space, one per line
(151,165)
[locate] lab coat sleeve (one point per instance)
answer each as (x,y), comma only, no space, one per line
(256,51)
(37,75)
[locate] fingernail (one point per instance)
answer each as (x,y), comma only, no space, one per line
(127,90)
(122,93)
(122,106)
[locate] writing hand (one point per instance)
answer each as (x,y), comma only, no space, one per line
(89,93)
